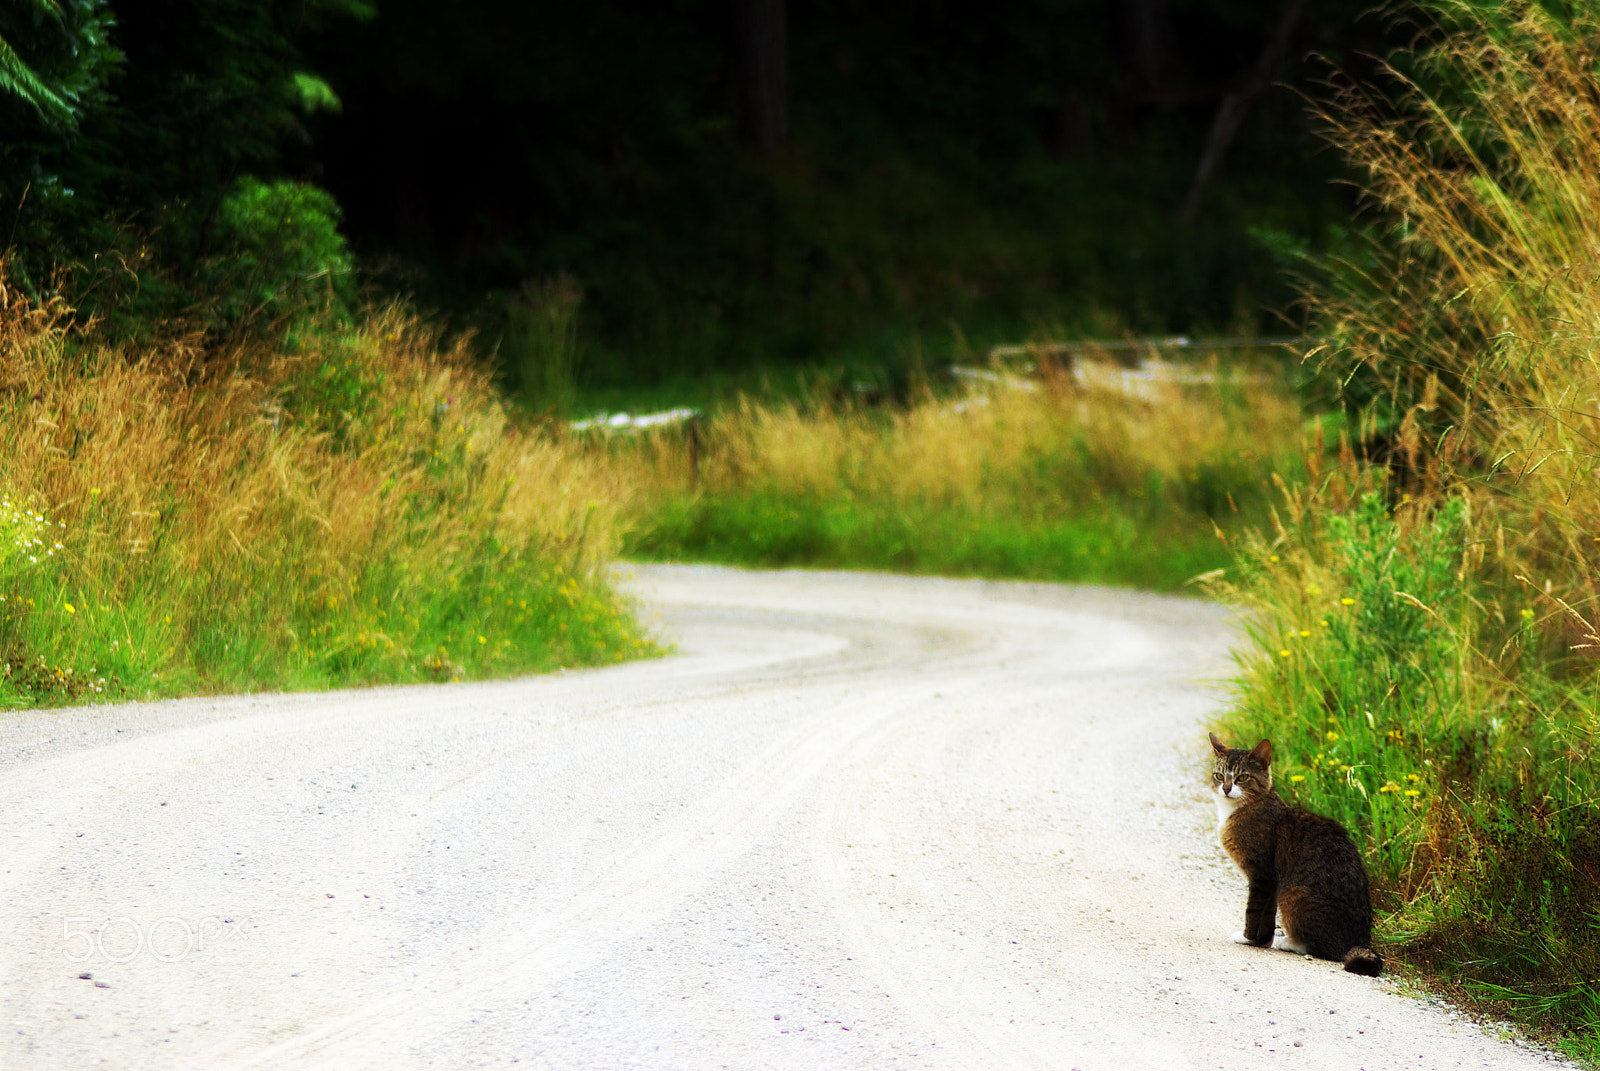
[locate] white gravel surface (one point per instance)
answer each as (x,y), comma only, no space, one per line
(855,821)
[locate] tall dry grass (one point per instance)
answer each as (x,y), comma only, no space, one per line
(355,509)
(1478,331)
(1045,478)
(1425,649)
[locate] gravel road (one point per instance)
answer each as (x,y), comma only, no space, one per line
(855,821)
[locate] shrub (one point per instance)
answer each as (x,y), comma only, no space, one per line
(278,251)
(263,522)
(1049,479)
(538,348)
(1460,676)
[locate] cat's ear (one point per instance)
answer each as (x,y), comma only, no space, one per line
(1262,753)
(1217,745)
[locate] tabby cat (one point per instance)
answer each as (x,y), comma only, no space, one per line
(1302,867)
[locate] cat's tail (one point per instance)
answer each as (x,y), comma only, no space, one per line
(1363,960)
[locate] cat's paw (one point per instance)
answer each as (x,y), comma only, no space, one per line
(1240,939)
(1287,944)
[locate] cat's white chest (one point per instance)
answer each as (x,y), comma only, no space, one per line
(1226,805)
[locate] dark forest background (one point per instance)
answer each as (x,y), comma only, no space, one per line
(728,183)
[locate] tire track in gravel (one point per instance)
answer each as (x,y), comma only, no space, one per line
(634,894)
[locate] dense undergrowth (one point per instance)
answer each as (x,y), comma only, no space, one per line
(1425,646)
(339,505)
(1051,478)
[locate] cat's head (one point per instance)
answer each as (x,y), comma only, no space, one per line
(1240,775)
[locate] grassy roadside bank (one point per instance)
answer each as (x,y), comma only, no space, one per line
(1424,653)
(1047,479)
(353,507)
(345,506)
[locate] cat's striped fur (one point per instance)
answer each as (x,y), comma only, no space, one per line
(1302,868)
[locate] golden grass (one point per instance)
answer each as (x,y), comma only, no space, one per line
(1481,329)
(969,449)
(240,500)
(1424,646)
(1054,453)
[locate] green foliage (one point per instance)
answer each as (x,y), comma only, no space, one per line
(1045,480)
(1355,671)
(55,57)
(315,94)
(57,60)
(211,89)
(1461,675)
(127,146)
(22,537)
(1407,699)
(19,79)
(538,349)
(357,511)
(333,389)
(1397,633)
(998,169)
(279,251)
(488,613)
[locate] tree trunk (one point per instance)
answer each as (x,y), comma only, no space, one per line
(1236,104)
(764,40)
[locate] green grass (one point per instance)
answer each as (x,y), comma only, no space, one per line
(1107,546)
(346,506)
(1424,636)
(494,617)
(1414,698)
(1060,481)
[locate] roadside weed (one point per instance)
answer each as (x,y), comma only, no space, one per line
(351,508)
(1425,634)
(1059,482)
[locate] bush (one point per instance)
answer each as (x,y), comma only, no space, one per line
(278,253)
(359,510)
(1050,479)
(538,348)
(1449,708)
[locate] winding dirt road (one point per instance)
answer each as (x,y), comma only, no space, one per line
(855,822)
